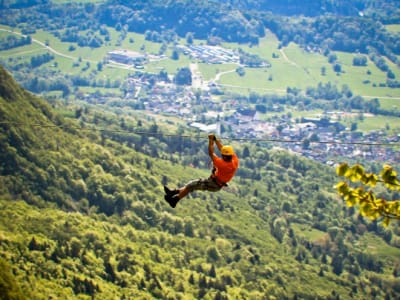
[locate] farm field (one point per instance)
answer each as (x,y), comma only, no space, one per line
(297,68)
(393,27)
(291,66)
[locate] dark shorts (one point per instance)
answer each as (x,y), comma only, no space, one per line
(203,185)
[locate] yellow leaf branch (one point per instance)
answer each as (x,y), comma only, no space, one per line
(370,206)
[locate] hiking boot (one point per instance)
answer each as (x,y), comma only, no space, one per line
(170,192)
(172,200)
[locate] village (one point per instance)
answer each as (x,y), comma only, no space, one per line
(204,53)
(320,138)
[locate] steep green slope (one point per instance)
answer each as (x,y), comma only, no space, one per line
(46,158)
(283,234)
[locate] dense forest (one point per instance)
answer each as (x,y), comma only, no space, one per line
(235,21)
(385,9)
(117,235)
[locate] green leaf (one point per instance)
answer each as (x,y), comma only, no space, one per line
(358,172)
(388,175)
(386,222)
(341,169)
(351,200)
(370,179)
(365,209)
(342,188)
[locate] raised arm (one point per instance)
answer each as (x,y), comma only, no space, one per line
(211,140)
(219,144)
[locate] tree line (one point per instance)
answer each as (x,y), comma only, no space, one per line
(210,20)
(12,41)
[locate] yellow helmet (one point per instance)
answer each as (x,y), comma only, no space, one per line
(227,150)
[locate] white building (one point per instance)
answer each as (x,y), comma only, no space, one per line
(126,57)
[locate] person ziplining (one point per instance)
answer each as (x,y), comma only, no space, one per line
(224,168)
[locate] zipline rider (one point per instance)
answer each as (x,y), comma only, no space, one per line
(223,171)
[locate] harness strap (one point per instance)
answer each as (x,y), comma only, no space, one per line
(217,181)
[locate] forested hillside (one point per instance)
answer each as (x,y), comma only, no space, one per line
(82,215)
(336,25)
(320,7)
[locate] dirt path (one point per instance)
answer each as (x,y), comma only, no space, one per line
(218,76)
(197,81)
(287,59)
(197,78)
(52,50)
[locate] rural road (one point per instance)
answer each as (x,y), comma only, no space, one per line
(197,81)
(52,50)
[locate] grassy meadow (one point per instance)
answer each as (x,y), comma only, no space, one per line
(393,27)
(291,67)
(297,68)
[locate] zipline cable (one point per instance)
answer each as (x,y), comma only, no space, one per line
(270,140)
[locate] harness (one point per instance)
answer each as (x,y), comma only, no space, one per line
(216,180)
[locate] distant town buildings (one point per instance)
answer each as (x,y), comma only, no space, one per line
(210,54)
(327,140)
(322,138)
(126,57)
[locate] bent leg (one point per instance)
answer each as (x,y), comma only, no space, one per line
(194,185)
(198,185)
(183,192)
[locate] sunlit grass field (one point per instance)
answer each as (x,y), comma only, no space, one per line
(376,123)
(393,27)
(291,66)
(294,67)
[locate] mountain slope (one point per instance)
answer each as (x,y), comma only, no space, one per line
(20,111)
(283,233)
(46,158)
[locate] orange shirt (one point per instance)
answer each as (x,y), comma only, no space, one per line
(225,170)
